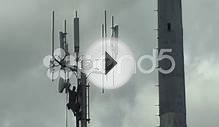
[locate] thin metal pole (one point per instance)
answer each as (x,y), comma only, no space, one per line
(105,24)
(103,49)
(105,39)
(66,110)
(53,25)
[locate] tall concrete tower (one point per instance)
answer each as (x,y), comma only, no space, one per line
(172,85)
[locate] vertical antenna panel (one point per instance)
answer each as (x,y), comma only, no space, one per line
(62,43)
(112,22)
(65,39)
(116,28)
(116,31)
(65,29)
(76,34)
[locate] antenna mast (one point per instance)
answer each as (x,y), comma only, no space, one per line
(80,92)
(53,25)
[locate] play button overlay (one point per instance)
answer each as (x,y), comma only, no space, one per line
(112,66)
(109,63)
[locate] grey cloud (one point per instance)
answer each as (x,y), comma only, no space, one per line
(27,97)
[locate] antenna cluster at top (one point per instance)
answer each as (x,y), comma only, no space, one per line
(80,105)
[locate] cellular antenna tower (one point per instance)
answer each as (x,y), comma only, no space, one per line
(172,103)
(77,94)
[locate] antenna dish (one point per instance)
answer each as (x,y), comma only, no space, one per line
(62,85)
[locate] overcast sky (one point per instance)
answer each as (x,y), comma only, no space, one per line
(27,98)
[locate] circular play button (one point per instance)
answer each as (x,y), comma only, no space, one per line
(112,64)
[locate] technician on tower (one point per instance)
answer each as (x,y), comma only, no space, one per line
(73,103)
